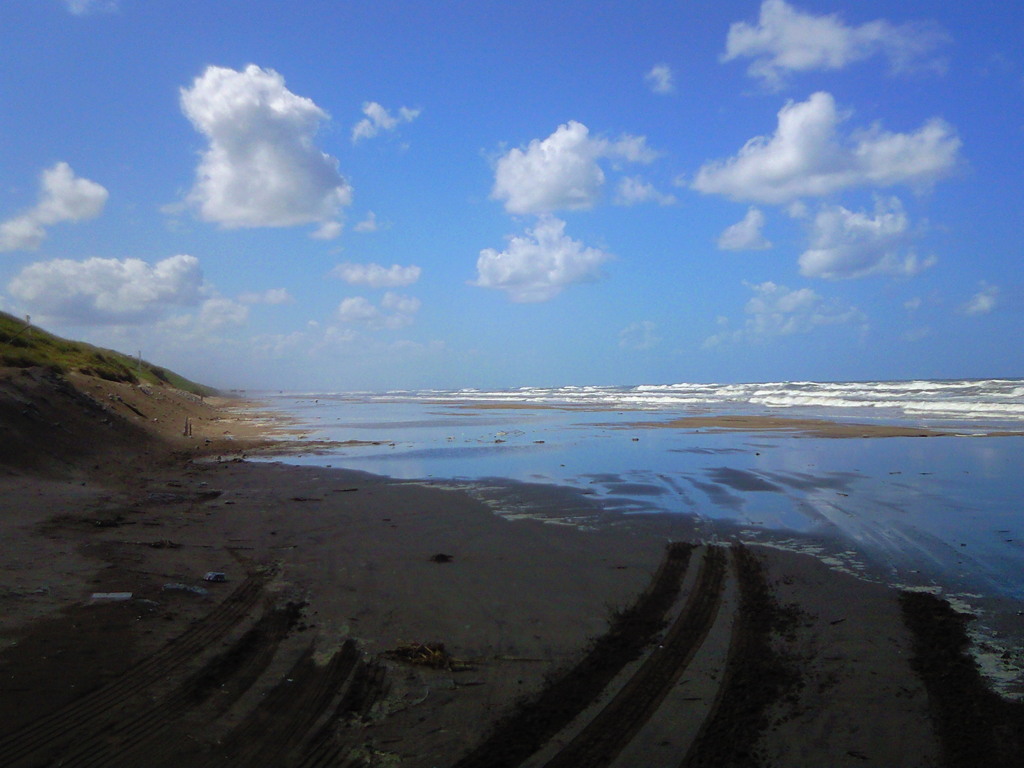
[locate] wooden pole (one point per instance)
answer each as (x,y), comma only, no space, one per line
(28,324)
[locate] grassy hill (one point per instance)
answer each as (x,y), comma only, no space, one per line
(24,346)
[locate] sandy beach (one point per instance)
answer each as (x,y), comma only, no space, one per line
(352,620)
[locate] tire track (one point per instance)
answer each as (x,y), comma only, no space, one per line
(96,710)
(228,674)
(756,675)
(275,732)
(604,737)
(528,728)
(326,749)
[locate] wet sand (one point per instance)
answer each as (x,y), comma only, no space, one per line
(365,621)
(802,427)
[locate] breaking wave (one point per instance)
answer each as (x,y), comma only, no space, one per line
(954,400)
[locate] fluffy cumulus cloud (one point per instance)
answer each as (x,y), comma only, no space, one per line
(659,79)
(786,40)
(395,311)
(745,235)
(108,291)
(379,119)
(776,310)
(983,302)
(561,171)
(540,265)
(63,197)
(377,276)
(848,244)
(261,168)
(807,157)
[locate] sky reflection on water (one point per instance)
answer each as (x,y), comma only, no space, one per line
(946,506)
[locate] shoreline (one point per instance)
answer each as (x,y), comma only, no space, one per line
(341,571)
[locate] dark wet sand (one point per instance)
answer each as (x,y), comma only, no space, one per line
(365,621)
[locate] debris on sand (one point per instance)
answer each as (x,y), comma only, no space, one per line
(431,655)
(161,544)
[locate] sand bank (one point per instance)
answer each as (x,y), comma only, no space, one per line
(802,427)
(717,422)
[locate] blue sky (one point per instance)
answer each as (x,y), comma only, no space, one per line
(382,195)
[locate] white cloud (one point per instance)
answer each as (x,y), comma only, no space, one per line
(798,210)
(745,235)
(632,149)
(83,7)
(63,197)
(329,230)
(377,276)
(659,79)
(269,296)
(845,244)
(369,224)
(539,265)
(640,335)
(219,312)
(399,304)
(395,311)
(983,302)
(561,171)
(99,291)
(633,190)
(337,338)
(806,157)
(357,309)
(775,310)
(787,40)
(261,168)
(378,119)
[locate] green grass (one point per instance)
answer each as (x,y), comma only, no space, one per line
(24,347)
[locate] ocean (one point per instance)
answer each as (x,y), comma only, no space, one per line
(936,512)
